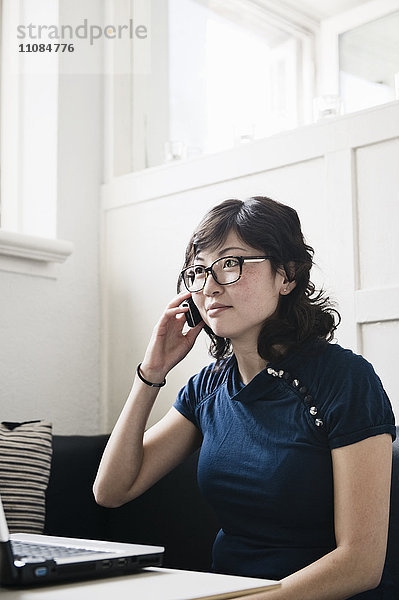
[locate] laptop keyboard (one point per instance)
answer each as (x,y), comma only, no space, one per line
(46,551)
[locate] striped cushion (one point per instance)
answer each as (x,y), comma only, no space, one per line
(25,460)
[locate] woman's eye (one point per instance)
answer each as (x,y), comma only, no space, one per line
(230,263)
(199,271)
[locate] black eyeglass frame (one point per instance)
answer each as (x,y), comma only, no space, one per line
(209,270)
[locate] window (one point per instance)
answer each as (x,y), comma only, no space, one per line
(1,60)
(29,97)
(225,72)
(28,147)
(358,56)
(368,62)
(233,76)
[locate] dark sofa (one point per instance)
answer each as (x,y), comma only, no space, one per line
(171,514)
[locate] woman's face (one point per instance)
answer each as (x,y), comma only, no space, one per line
(238,310)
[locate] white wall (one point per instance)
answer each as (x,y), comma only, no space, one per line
(49,328)
(341,176)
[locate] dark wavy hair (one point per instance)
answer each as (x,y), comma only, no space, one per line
(273,229)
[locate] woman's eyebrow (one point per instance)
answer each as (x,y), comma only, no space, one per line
(228,250)
(223,252)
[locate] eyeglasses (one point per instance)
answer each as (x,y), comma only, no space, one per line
(225,270)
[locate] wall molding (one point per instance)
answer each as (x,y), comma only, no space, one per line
(376,305)
(295,146)
(32,255)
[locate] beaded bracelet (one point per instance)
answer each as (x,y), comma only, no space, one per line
(156,385)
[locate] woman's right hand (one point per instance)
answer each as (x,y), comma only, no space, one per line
(168,344)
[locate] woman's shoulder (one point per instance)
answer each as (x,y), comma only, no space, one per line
(332,371)
(331,358)
(350,398)
(341,376)
(344,363)
(210,378)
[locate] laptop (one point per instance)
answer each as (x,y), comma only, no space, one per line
(26,558)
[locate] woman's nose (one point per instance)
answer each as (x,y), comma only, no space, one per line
(211,286)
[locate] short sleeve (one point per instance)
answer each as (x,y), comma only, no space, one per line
(356,406)
(186,401)
(198,388)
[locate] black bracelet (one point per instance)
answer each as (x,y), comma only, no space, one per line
(156,385)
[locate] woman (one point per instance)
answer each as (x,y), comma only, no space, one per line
(295,432)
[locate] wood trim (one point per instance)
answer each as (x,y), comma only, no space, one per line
(380,304)
(299,145)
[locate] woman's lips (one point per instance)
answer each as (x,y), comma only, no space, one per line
(216,309)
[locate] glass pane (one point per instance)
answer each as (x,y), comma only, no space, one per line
(231,80)
(369,59)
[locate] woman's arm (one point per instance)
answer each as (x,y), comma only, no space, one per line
(362,478)
(132,461)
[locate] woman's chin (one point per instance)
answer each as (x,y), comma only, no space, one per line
(220,331)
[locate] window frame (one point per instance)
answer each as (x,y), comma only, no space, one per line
(332,28)
(22,252)
(146,124)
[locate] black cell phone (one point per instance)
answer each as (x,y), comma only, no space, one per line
(193,316)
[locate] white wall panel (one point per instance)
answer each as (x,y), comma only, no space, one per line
(377,306)
(380,342)
(378,214)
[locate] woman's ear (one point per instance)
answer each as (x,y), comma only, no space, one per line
(288,284)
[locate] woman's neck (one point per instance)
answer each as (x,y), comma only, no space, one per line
(249,364)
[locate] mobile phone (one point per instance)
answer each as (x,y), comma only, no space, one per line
(193,316)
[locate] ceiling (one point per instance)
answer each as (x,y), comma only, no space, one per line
(321,9)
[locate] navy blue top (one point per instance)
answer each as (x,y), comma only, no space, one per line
(265,462)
